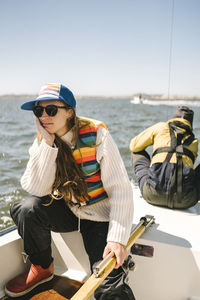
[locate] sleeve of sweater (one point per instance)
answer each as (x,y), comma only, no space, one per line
(39,175)
(118,187)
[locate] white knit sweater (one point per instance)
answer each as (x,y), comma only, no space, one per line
(118,209)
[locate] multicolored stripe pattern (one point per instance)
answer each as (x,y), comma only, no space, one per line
(51,90)
(85,157)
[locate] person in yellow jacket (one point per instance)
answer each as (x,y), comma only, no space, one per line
(169,178)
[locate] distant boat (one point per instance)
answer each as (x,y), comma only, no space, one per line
(137,100)
(168,102)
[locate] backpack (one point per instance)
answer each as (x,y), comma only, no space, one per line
(180,140)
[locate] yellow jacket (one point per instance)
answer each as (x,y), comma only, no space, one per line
(158,135)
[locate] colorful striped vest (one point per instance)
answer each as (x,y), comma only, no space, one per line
(85,156)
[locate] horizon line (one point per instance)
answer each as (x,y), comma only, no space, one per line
(144,95)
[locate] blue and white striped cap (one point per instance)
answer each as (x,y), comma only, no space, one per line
(52,91)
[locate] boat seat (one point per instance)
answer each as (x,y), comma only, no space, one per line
(70,257)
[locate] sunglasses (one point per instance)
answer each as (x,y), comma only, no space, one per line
(51,110)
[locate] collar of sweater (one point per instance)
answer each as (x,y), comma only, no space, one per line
(68,138)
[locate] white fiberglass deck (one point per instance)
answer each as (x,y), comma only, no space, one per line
(173,273)
(176,227)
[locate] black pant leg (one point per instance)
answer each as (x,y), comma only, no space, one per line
(141,164)
(35,222)
(94,237)
(197,181)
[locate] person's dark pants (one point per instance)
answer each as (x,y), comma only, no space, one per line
(141,164)
(36,221)
(197,181)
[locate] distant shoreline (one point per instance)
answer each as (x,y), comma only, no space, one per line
(144,96)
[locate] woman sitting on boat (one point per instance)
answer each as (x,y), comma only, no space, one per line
(77,181)
(169,179)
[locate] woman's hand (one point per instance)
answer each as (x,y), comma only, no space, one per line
(119,251)
(47,137)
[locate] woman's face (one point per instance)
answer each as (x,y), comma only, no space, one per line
(58,123)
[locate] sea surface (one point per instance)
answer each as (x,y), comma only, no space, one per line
(125,118)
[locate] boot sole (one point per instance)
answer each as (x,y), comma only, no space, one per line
(15,295)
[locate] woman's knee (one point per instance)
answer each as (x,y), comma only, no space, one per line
(24,208)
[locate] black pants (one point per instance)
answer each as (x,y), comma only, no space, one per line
(158,196)
(141,164)
(36,221)
(197,183)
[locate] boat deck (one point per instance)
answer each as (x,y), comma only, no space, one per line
(172,226)
(176,258)
(57,289)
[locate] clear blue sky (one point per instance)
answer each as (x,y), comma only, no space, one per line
(99,47)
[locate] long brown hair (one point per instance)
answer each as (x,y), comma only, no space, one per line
(69,179)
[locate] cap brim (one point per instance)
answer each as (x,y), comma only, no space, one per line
(29,105)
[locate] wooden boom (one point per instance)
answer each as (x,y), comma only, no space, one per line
(107,265)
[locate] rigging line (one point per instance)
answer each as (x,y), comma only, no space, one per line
(170,50)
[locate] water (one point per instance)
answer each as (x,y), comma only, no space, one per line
(123,118)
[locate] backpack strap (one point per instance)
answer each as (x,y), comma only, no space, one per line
(176,142)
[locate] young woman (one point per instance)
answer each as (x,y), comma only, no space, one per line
(77,181)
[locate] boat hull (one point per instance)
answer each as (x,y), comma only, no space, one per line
(171,271)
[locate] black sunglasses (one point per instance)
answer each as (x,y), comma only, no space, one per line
(51,110)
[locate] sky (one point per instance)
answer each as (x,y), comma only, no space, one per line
(100,47)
